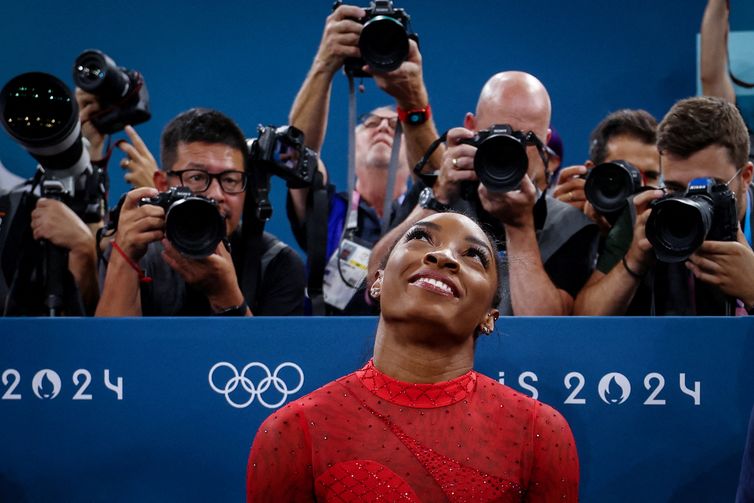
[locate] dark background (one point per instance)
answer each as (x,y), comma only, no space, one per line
(248,59)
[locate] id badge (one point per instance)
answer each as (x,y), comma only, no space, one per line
(345,273)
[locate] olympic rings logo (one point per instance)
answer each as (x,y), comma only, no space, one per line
(271,379)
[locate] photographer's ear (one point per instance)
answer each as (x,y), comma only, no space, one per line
(160,180)
(469,121)
(746,174)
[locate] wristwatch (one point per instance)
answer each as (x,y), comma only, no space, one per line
(427,201)
(414,117)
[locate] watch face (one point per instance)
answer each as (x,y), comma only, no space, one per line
(416,117)
(425,196)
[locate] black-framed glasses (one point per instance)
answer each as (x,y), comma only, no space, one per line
(198,180)
(371,120)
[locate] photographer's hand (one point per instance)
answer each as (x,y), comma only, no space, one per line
(89,106)
(514,209)
(139,163)
(340,39)
(457,166)
(728,265)
(57,223)
(406,84)
(214,275)
(570,186)
(639,256)
(139,225)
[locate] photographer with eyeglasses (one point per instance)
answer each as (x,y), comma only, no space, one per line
(357,218)
(183,251)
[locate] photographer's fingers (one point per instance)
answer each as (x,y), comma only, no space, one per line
(137,142)
(570,172)
(133,197)
(570,190)
(642,200)
(348,12)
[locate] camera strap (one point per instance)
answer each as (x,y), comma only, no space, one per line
(387,206)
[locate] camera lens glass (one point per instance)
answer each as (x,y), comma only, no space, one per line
(501,163)
(96,73)
(678,226)
(194,226)
(607,187)
(37,108)
(383,43)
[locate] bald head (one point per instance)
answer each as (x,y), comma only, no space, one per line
(515,98)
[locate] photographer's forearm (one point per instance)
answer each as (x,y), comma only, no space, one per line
(82,262)
(121,295)
(714,52)
(311,107)
(606,294)
(418,139)
(532,291)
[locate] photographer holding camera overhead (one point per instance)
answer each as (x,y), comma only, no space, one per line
(111,99)
(365,42)
(208,264)
(495,167)
(689,252)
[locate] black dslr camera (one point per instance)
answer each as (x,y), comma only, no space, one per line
(500,161)
(282,152)
(122,93)
(609,185)
(678,224)
(384,38)
(279,151)
(193,223)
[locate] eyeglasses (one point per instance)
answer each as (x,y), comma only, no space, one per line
(370,120)
(198,180)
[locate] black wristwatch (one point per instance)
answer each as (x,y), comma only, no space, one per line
(427,201)
(239,310)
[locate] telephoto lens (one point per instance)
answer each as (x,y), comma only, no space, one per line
(40,113)
(609,185)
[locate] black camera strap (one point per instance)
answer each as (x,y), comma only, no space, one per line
(316,243)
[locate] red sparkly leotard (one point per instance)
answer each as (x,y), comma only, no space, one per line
(367,437)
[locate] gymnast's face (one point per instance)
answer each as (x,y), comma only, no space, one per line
(443,273)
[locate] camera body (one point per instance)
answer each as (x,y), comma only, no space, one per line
(193,223)
(609,185)
(679,224)
(122,93)
(500,161)
(281,151)
(384,39)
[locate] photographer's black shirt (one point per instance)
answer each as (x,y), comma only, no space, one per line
(280,293)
